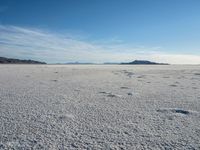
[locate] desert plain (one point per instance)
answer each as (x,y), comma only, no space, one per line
(100,107)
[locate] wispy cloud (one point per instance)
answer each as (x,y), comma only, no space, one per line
(31,43)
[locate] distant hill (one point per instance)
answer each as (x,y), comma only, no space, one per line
(4,60)
(143,62)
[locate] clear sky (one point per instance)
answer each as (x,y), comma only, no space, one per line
(101,30)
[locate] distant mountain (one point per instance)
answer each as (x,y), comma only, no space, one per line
(4,60)
(143,62)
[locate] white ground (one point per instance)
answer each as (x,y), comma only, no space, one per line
(99,107)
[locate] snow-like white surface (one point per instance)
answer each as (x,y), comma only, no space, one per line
(99,107)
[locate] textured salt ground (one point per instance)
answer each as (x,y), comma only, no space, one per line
(99,107)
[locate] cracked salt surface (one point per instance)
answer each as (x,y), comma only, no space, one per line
(99,107)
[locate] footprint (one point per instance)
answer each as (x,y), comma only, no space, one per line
(130,94)
(115,73)
(197,74)
(74,145)
(181,77)
(54,80)
(105,92)
(142,76)
(174,110)
(128,73)
(109,94)
(65,116)
(173,85)
(195,88)
(181,111)
(124,87)
(114,95)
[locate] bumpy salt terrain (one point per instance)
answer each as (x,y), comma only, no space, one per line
(99,107)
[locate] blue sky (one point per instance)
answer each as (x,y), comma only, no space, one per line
(101,30)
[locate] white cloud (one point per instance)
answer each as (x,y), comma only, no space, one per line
(30,43)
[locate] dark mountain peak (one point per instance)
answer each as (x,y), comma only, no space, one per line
(4,60)
(143,62)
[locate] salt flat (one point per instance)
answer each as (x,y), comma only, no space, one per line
(99,107)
